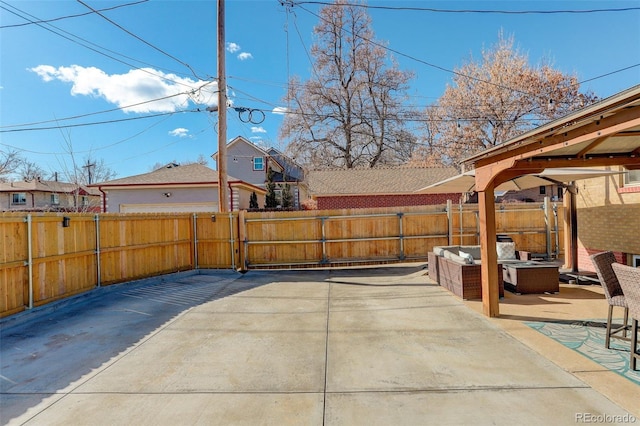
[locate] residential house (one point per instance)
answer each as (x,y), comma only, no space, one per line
(174,188)
(377,187)
(251,164)
(608,212)
(50,196)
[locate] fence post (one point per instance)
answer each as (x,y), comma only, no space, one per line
(477,216)
(461,222)
(195,240)
(242,241)
(96,219)
(555,230)
(30,260)
(324,241)
(401,236)
(449,222)
(547,224)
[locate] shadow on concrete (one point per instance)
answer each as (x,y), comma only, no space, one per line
(49,349)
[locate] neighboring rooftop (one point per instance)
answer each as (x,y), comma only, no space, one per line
(387,180)
(38,185)
(170,174)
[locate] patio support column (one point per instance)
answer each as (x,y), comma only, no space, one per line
(487,177)
(570,229)
(489,256)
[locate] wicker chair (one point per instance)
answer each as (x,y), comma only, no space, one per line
(613,292)
(629,278)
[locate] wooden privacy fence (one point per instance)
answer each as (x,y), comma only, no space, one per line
(48,256)
(282,239)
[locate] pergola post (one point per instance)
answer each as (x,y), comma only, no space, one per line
(489,256)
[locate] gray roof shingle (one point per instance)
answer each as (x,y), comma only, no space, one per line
(387,180)
(170,174)
(46,186)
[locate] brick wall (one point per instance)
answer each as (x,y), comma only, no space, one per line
(608,219)
(368,201)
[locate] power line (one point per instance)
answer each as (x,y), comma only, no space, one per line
(97,122)
(420,60)
(59,31)
(610,73)
(44,21)
(291,3)
(141,39)
(105,111)
(482,11)
(100,148)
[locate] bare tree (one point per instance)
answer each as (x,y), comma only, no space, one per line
(349,113)
(9,163)
(29,170)
(496,99)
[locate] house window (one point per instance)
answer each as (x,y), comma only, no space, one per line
(85,201)
(632,177)
(55,199)
(258,163)
(19,198)
(635,261)
(543,190)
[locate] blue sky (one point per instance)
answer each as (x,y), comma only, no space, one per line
(86,65)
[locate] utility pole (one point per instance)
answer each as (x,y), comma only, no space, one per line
(223,198)
(88,166)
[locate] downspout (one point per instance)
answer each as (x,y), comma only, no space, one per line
(104,200)
(230,197)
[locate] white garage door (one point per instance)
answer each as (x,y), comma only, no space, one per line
(169,208)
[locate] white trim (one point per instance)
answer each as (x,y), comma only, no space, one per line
(635,260)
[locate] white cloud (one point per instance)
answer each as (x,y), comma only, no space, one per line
(258,129)
(244,56)
(134,87)
(233,47)
(180,132)
(279,110)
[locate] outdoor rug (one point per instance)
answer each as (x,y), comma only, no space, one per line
(587,338)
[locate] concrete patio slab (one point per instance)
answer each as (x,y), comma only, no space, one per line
(379,345)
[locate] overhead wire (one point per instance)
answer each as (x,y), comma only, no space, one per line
(70,37)
(100,148)
(292,3)
(166,116)
(101,112)
(60,18)
(66,126)
(141,39)
(429,64)
(481,11)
